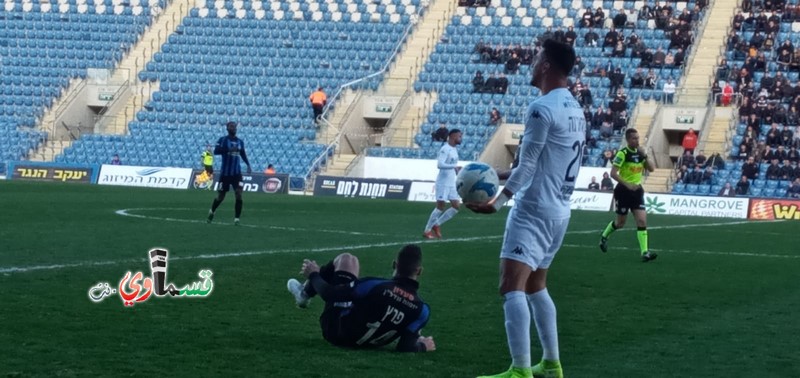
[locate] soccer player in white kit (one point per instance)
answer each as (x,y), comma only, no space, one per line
(447,162)
(542,183)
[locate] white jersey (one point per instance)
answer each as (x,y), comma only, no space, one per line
(447,162)
(552,150)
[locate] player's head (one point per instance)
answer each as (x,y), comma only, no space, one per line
(231,126)
(552,64)
(632,138)
(408,262)
(454,137)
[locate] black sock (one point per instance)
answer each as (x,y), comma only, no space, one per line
(215,205)
(238,207)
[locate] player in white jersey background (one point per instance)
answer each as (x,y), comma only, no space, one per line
(447,162)
(542,184)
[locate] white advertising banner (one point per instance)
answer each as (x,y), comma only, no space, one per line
(593,201)
(151,177)
(717,207)
(424,191)
(425,170)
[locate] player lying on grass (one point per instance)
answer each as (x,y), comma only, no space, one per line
(368,312)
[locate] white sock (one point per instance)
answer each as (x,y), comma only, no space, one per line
(449,213)
(432,220)
(544,315)
(518,328)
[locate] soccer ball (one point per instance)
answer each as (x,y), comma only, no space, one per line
(477,182)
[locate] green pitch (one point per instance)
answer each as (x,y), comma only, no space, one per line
(722,299)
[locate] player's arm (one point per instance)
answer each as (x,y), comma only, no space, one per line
(619,159)
(534,139)
(648,164)
(243,154)
(441,161)
(414,342)
(410,338)
(221,148)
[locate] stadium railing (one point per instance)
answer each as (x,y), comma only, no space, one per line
(321,159)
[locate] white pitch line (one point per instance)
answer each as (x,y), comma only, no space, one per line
(668,251)
(127,213)
(8,270)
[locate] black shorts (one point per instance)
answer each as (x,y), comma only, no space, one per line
(209,169)
(225,182)
(626,200)
(331,319)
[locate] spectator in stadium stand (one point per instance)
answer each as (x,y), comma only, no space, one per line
(610,39)
(708,175)
(744,152)
(796,138)
(683,174)
(727,94)
(586,95)
(570,36)
(794,189)
(495,118)
(512,64)
(270,170)
(769,154)
(793,155)
(796,167)
(716,93)
(608,156)
(781,154)
(599,17)
(700,158)
(743,187)
(440,134)
(502,84)
(669,91)
(774,170)
(723,70)
(750,169)
(689,141)
(650,80)
(606,184)
(727,191)
(318,100)
(577,69)
(646,13)
(787,171)
(669,60)
(695,176)
(637,80)
(478,82)
(617,80)
(587,19)
(787,136)
(688,159)
(594,186)
(115,160)
(620,19)
(632,18)
(491,84)
(590,38)
(680,56)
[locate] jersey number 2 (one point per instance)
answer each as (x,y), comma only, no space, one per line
(578,148)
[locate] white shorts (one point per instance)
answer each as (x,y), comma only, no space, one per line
(447,193)
(534,242)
